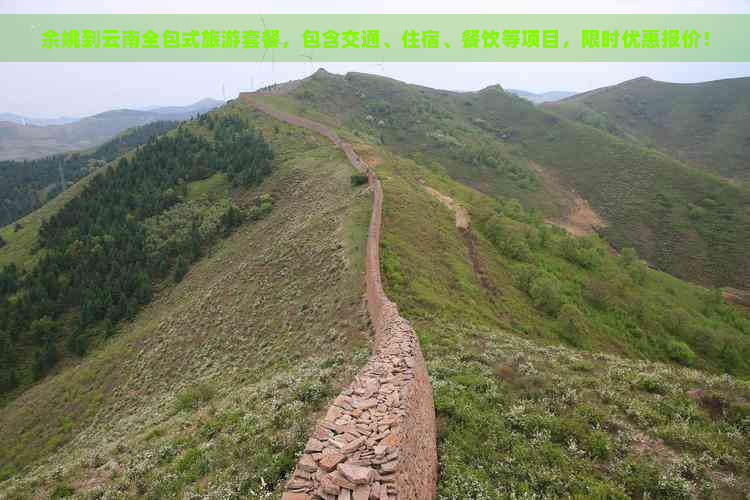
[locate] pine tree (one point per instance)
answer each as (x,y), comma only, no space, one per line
(180,269)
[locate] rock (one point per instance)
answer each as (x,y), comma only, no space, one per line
(299,484)
(353,445)
(375,491)
(294,495)
(361,492)
(331,460)
(345,495)
(328,486)
(357,474)
(390,440)
(313,446)
(340,480)
(307,464)
(389,467)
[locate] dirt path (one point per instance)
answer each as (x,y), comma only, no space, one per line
(378,438)
(462,216)
(463,223)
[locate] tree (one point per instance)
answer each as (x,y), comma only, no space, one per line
(2,242)
(574,324)
(180,269)
(546,295)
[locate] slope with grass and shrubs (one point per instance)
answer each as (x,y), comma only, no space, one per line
(705,124)
(680,219)
(211,389)
(578,372)
(107,248)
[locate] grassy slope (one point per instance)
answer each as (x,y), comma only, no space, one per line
(702,123)
(520,411)
(520,414)
(682,220)
(213,387)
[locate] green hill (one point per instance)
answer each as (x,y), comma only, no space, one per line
(560,369)
(705,124)
(680,219)
(213,386)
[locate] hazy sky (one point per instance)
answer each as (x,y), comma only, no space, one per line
(54,89)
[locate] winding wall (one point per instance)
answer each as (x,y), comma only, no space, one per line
(378,438)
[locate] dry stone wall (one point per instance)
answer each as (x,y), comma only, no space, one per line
(377,439)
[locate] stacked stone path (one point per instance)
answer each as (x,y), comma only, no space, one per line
(377,439)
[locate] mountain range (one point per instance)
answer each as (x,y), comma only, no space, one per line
(31,141)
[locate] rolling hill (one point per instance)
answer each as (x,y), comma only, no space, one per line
(679,218)
(19,141)
(559,368)
(705,124)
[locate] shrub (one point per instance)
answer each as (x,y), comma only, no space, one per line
(574,324)
(180,269)
(545,294)
(516,248)
(629,256)
(359,179)
(523,277)
(676,320)
(62,491)
(582,252)
(639,272)
(195,396)
(680,352)
(600,293)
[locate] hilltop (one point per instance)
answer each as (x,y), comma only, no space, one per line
(704,124)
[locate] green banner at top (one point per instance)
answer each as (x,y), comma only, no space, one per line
(375,38)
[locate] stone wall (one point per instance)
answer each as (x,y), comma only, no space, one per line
(377,439)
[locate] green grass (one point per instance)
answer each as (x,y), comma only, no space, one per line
(213,388)
(215,186)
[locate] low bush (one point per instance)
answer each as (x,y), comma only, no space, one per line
(359,179)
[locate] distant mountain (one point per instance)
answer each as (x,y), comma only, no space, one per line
(706,124)
(33,141)
(552,96)
(25,120)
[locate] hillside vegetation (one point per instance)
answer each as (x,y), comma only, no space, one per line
(106,248)
(678,218)
(537,345)
(27,185)
(212,388)
(705,124)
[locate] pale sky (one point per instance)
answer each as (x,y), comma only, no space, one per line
(79,89)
